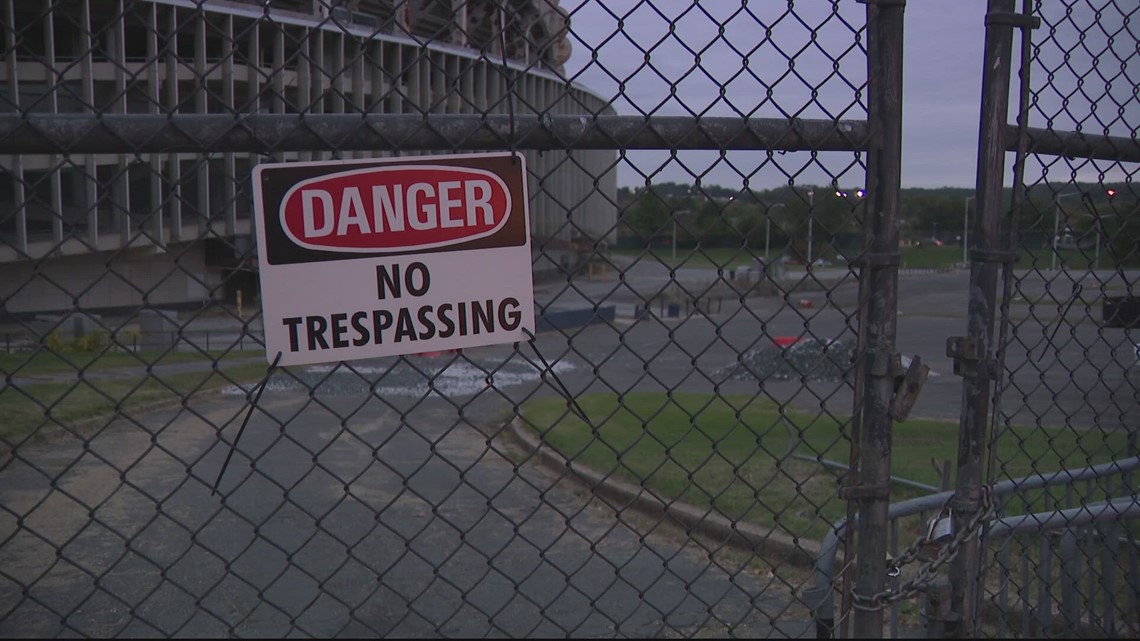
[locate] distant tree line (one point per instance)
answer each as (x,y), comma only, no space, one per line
(716,216)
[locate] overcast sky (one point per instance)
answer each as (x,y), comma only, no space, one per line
(746,50)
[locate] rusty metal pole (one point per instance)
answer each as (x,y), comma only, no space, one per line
(880,268)
(974,352)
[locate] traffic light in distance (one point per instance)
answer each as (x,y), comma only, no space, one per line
(1111,193)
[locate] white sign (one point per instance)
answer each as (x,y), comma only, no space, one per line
(363,259)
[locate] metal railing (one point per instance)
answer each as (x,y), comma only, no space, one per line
(996,532)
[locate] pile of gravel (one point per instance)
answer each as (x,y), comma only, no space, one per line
(809,359)
(412,376)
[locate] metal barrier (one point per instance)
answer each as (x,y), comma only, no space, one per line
(997,532)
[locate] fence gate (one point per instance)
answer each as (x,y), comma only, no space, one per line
(1060,557)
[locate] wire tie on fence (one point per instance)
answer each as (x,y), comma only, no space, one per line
(1012,19)
(979,255)
(971,504)
(864,492)
(1074,296)
(253,404)
(873,259)
(562,387)
(883,362)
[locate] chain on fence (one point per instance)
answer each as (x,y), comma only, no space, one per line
(658,460)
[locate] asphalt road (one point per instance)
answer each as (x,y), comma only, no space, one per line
(378,500)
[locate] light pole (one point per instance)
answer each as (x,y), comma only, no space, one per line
(1096,230)
(811,221)
(966,231)
(1098,226)
(768,229)
(1057,198)
(673,215)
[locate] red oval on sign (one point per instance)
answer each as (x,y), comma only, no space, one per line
(395,208)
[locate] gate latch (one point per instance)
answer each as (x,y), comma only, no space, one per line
(907,388)
(968,354)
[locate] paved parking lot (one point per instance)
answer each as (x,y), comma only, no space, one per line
(380,501)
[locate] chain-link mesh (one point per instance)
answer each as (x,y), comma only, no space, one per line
(658,461)
(1069,339)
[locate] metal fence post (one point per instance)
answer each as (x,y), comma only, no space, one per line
(974,353)
(880,268)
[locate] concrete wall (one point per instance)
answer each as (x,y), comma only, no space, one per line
(101,204)
(96,281)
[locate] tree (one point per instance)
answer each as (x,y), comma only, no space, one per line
(648,214)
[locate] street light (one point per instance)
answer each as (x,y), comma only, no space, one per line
(811,221)
(1111,193)
(673,215)
(966,230)
(1057,198)
(768,229)
(1098,225)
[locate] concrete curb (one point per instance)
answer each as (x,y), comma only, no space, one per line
(766,543)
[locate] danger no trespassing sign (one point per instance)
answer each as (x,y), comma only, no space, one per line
(362,259)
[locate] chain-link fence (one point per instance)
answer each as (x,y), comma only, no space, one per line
(714,390)
(1068,334)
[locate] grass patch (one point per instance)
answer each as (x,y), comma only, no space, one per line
(728,453)
(46,362)
(926,256)
(1041,258)
(706,258)
(930,257)
(28,408)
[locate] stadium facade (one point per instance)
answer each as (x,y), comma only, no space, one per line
(115,231)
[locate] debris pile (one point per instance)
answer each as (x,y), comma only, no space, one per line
(809,359)
(445,375)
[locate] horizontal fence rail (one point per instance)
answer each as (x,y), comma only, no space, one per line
(263,133)
(1074,144)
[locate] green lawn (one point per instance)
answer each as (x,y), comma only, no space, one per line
(729,453)
(929,257)
(45,361)
(1042,259)
(709,258)
(733,257)
(926,256)
(29,407)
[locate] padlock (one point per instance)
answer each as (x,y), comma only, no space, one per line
(941,528)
